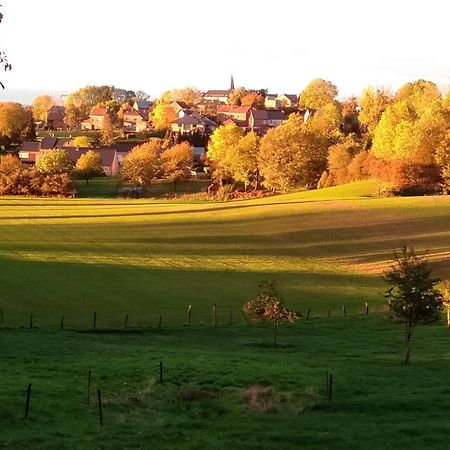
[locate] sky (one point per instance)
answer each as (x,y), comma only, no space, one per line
(58,46)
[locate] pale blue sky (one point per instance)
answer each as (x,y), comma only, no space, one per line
(280,45)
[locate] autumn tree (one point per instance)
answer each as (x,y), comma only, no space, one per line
(13,175)
(317,94)
(79,141)
(373,102)
(54,162)
(236,95)
(176,162)
(413,296)
(294,153)
(162,116)
(254,99)
(268,306)
(107,130)
(340,157)
(16,123)
(444,288)
(222,150)
(40,106)
(245,164)
(89,165)
(142,164)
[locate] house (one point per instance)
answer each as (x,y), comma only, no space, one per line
(96,119)
(133,121)
(238,114)
(208,107)
(181,108)
(288,100)
(54,119)
(219,95)
(29,151)
(272,102)
(142,107)
(261,120)
(193,123)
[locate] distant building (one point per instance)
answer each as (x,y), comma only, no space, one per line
(238,114)
(142,107)
(271,102)
(288,100)
(261,120)
(55,118)
(96,119)
(193,123)
(133,121)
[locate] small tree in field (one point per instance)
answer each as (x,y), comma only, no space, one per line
(413,296)
(444,288)
(269,306)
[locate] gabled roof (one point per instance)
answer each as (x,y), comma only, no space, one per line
(106,154)
(234,109)
(101,112)
(271,96)
(57,110)
(217,93)
(276,115)
(194,119)
(30,147)
(143,104)
(48,142)
(131,112)
(292,97)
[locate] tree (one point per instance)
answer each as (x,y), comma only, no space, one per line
(89,165)
(3,58)
(16,123)
(141,165)
(40,106)
(236,95)
(12,173)
(317,94)
(444,288)
(293,154)
(53,162)
(373,102)
(176,162)
(162,116)
(79,141)
(245,164)
(107,130)
(413,296)
(253,99)
(222,150)
(269,306)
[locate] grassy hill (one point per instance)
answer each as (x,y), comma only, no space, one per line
(149,258)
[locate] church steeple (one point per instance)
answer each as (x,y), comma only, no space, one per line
(232,83)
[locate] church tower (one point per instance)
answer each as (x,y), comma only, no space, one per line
(232,83)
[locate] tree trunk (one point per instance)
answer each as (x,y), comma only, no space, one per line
(448,318)
(408,339)
(275,333)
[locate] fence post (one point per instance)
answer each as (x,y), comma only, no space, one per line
(329,311)
(189,314)
(31,322)
(161,372)
(89,387)
(1,318)
(308,313)
(100,408)
(215,314)
(27,402)
(367,308)
(160,321)
(330,387)
(231,317)
(61,325)
(126,320)
(95,320)
(344,311)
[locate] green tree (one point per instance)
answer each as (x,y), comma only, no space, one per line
(268,306)
(176,162)
(142,164)
(40,106)
(89,165)
(413,296)
(444,288)
(317,94)
(245,164)
(53,162)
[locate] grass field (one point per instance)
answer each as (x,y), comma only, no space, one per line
(152,258)
(377,402)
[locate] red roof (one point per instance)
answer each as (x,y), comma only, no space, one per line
(234,109)
(99,112)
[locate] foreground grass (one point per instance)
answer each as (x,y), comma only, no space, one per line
(377,402)
(148,258)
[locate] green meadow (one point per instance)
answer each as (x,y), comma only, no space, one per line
(224,386)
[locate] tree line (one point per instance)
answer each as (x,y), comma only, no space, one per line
(403,138)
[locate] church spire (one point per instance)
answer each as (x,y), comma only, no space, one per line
(232,83)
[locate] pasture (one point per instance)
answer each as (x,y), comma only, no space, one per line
(150,259)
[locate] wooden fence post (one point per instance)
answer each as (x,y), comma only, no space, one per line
(61,325)
(1,318)
(126,320)
(308,313)
(367,308)
(160,321)
(100,407)
(31,322)
(344,311)
(27,402)
(329,311)
(189,314)
(161,372)
(231,317)
(215,314)
(89,387)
